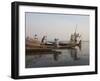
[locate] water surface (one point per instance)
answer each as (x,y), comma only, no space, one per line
(68,57)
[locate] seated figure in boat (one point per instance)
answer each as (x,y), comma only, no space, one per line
(56,42)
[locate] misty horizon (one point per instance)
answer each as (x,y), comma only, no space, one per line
(59,26)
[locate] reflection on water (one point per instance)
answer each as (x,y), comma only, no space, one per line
(67,57)
(73,53)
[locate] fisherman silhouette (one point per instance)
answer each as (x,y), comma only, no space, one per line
(43,41)
(35,37)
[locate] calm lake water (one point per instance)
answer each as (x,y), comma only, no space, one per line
(68,57)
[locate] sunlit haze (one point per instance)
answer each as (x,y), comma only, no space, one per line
(59,26)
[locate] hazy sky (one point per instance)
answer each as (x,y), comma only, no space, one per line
(56,25)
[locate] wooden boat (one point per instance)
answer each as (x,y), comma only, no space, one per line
(34,45)
(69,45)
(41,51)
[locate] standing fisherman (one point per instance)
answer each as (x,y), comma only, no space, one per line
(43,41)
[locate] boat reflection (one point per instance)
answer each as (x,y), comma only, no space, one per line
(39,55)
(55,57)
(61,57)
(73,52)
